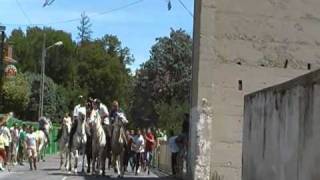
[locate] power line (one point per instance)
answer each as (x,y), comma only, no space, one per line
(23,12)
(78,19)
(185,7)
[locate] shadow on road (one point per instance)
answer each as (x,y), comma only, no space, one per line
(50,169)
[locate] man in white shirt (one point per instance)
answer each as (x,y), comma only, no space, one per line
(80,108)
(31,148)
(138,147)
(176,145)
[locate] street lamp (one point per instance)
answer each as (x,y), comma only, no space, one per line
(43,57)
(2,31)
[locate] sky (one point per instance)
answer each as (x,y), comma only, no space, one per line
(136,22)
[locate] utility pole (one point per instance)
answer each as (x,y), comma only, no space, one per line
(43,65)
(43,57)
(2,29)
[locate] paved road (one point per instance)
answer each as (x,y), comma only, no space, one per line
(49,171)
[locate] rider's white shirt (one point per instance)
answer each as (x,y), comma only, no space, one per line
(103,111)
(67,120)
(79,109)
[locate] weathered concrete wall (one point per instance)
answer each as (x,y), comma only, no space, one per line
(281,137)
(251,41)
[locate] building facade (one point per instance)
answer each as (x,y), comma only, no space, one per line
(241,47)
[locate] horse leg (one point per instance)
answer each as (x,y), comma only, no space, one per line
(70,161)
(118,165)
(122,164)
(61,159)
(83,161)
(89,159)
(103,160)
(66,156)
(93,160)
(76,156)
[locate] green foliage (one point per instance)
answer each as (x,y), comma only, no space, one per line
(84,29)
(163,82)
(59,60)
(158,93)
(16,93)
(96,68)
(171,115)
(103,69)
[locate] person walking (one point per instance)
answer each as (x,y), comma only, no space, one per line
(127,151)
(150,144)
(4,130)
(21,149)
(132,152)
(2,152)
(14,143)
(31,148)
(138,147)
(174,148)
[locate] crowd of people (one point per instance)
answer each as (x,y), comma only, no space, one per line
(17,144)
(141,147)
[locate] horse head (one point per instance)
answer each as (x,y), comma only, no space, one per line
(67,127)
(118,129)
(95,119)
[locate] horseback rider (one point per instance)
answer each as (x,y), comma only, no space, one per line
(104,114)
(116,111)
(44,124)
(79,108)
(67,121)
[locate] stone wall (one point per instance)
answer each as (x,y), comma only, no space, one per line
(281,137)
(249,43)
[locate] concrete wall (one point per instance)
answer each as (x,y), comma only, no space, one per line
(248,40)
(281,138)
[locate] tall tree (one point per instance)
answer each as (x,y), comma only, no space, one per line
(84,28)
(164,79)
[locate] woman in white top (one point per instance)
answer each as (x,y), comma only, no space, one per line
(138,147)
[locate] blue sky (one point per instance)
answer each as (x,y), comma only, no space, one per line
(136,26)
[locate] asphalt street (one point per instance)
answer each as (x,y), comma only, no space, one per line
(49,171)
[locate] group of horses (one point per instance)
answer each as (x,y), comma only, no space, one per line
(92,143)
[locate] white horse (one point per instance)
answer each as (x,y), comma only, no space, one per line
(42,141)
(118,142)
(64,144)
(79,141)
(98,143)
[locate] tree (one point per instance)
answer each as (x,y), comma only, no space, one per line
(103,69)
(59,60)
(84,29)
(54,105)
(165,78)
(16,94)
(97,68)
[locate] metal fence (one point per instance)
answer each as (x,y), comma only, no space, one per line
(162,160)
(53,146)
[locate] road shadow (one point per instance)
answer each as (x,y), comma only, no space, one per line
(128,178)
(50,169)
